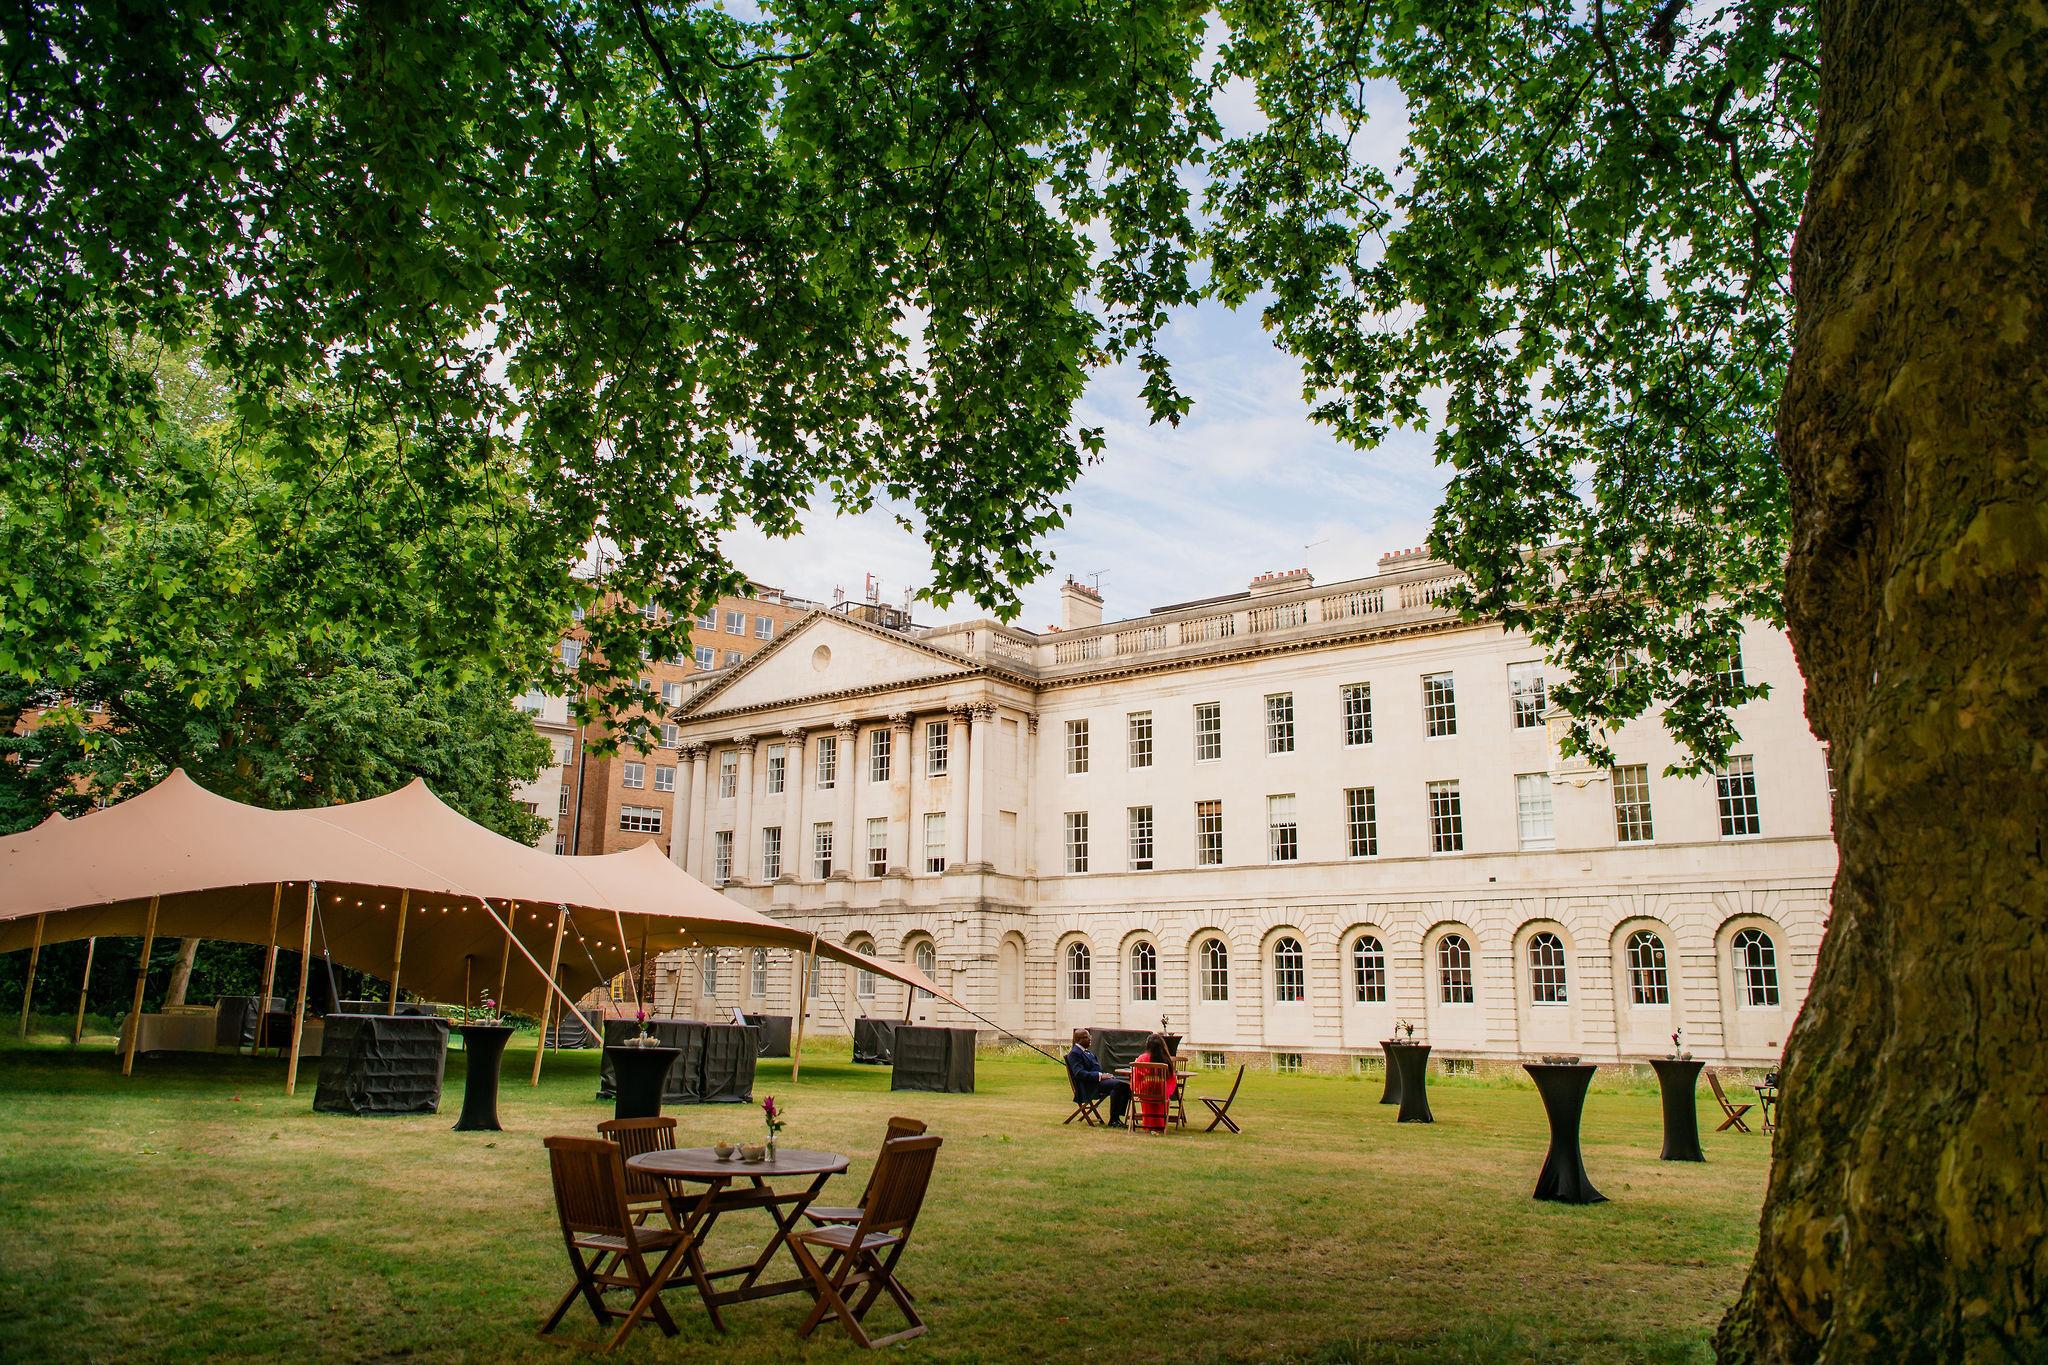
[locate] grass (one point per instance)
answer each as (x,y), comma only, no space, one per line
(193,1211)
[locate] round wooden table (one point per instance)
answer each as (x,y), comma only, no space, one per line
(699,1210)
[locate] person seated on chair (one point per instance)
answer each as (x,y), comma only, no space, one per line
(1152,1083)
(1091,1082)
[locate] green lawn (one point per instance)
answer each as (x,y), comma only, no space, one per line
(194,1211)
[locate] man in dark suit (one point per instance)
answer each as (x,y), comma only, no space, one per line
(1091,1082)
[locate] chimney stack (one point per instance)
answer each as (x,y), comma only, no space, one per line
(1080,605)
(1280,580)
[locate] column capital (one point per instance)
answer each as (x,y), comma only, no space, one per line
(984,712)
(1031,721)
(793,734)
(962,714)
(694,751)
(744,743)
(845,727)
(899,720)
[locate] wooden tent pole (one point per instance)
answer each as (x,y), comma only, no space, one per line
(291,1072)
(78,1024)
(807,968)
(28,984)
(465,981)
(398,948)
(141,980)
(626,959)
(269,972)
(547,1001)
(505,962)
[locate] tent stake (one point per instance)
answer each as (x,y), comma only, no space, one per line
(141,980)
(28,984)
(807,969)
(291,1073)
(269,971)
(547,1001)
(398,948)
(78,1024)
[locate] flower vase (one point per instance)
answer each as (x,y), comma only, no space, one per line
(771,1146)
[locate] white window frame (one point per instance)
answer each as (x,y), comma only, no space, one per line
(1361,823)
(721,856)
(757,973)
(935,841)
(1535,811)
(1439,705)
(764,627)
(1080,972)
(1755,955)
(777,761)
(728,774)
(1077,747)
(1076,831)
(881,755)
(771,852)
(878,853)
(1528,694)
(1368,970)
(706,657)
(1357,702)
(828,762)
(1290,971)
(1446,817)
(640,819)
(1213,974)
(938,747)
(1208,731)
(1279,723)
(1139,822)
(821,849)
(1138,739)
(633,776)
(1454,980)
(1549,975)
(1144,972)
(1634,818)
(1283,829)
(1209,833)
(735,623)
(1649,969)
(1735,798)
(664,777)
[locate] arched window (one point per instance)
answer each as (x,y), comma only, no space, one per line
(1368,970)
(1454,970)
(863,979)
(711,971)
(1546,969)
(1215,982)
(1756,967)
(1144,971)
(1078,971)
(757,984)
(1649,980)
(927,959)
(1290,972)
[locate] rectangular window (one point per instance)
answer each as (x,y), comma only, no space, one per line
(707,657)
(1138,728)
(709,620)
(1446,818)
(878,846)
(639,819)
(721,857)
(1213,1061)
(670,735)
(735,623)
(1208,834)
(532,702)
(828,762)
(1280,723)
(1077,841)
(572,651)
(1361,823)
(635,774)
(1731,672)
(1357,714)
(879,755)
(1527,695)
(1077,746)
(1287,1063)
(778,768)
(1141,838)
(1632,823)
(728,774)
(764,627)
(1439,705)
(1535,819)
(732,656)
(1283,836)
(1735,790)
(935,841)
(821,849)
(937,744)
(664,777)
(771,852)
(671,694)
(1208,731)
(562,805)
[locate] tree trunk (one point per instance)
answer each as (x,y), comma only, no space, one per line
(1908,1211)
(181,973)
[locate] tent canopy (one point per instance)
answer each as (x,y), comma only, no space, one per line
(217,867)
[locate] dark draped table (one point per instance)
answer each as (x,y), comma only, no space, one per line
(483,1048)
(641,1073)
(381,1064)
(1679,1082)
(1563,1087)
(940,1059)
(1391,1092)
(1411,1060)
(874,1041)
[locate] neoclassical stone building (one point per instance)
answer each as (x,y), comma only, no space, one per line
(1282,820)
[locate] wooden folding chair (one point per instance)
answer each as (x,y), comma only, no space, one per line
(645,1194)
(863,1255)
(899,1127)
(1732,1110)
(1177,1109)
(597,1224)
(1219,1110)
(1089,1111)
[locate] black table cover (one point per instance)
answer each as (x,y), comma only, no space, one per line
(383,1007)
(483,1049)
(1390,1093)
(1117,1048)
(638,1073)
(775,1029)
(726,1063)
(1412,1061)
(381,1064)
(1678,1081)
(237,1018)
(1563,1087)
(714,1063)
(872,1040)
(940,1059)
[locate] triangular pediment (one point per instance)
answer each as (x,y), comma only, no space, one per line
(823,655)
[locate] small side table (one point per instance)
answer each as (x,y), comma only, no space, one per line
(483,1048)
(1678,1081)
(1411,1060)
(1563,1087)
(642,1072)
(1391,1093)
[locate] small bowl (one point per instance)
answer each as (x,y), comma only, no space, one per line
(724,1150)
(753,1151)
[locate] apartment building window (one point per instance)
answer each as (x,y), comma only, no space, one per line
(879,742)
(647,687)
(728,774)
(1144,971)
(764,627)
(1756,968)
(821,849)
(532,702)
(1283,833)
(1368,970)
(1208,731)
(1077,746)
(1138,728)
(1735,791)
(1079,972)
(562,805)
(828,762)
(1077,841)
(1361,823)
(571,652)
(1731,672)
(671,694)
(1280,723)
(778,768)
(639,819)
(1439,705)
(664,777)
(561,843)
(1454,970)
(1290,972)
(937,744)
(1535,817)
(1357,714)
(757,973)
(1208,834)
(1649,977)
(732,656)
(1215,971)
(935,841)
(634,775)
(1446,818)
(771,852)
(709,620)
(1546,969)
(1632,823)
(671,734)
(565,749)
(1527,695)
(878,846)
(735,623)
(707,658)
(721,856)
(1141,838)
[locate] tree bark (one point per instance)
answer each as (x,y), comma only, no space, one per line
(181,972)
(1907,1217)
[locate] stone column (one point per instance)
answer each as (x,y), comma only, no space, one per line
(686,796)
(847,855)
(902,840)
(796,832)
(700,760)
(743,813)
(960,775)
(977,788)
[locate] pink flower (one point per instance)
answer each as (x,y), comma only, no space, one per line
(768,1106)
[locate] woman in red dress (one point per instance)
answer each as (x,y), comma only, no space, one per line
(1152,1082)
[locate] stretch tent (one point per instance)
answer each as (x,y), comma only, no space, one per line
(481,911)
